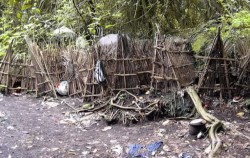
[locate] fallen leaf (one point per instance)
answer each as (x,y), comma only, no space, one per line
(240,114)
(86,106)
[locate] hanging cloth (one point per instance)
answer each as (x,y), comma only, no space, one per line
(99,76)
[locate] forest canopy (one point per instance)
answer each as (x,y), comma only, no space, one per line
(91,19)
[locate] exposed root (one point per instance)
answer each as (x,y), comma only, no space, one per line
(216,124)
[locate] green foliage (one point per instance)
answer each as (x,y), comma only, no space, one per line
(38,18)
(234,26)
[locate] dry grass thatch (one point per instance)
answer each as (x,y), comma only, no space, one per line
(126,64)
(173,64)
(244,65)
(214,77)
(17,72)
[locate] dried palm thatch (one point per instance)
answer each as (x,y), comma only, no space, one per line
(78,64)
(17,73)
(22,74)
(214,77)
(173,64)
(244,65)
(125,64)
(5,67)
(44,82)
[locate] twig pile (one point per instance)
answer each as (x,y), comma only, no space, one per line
(128,108)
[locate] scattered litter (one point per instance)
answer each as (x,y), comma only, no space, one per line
(94,151)
(165,122)
(86,106)
(200,135)
(185,155)
(166,148)
(68,121)
(62,88)
(50,104)
(10,128)
(137,150)
(106,128)
(54,149)
(113,141)
(208,149)
(117,149)
(196,126)
(14,147)
(85,153)
(2,114)
(72,152)
(17,94)
(25,132)
(237,99)
(161,132)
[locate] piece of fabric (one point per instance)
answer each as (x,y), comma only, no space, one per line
(99,76)
(137,150)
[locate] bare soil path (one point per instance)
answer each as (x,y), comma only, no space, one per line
(30,128)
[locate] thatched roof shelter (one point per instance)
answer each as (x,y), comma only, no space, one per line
(214,77)
(125,62)
(173,64)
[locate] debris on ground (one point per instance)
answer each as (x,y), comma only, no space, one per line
(137,150)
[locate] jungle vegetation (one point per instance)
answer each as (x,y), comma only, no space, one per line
(90,19)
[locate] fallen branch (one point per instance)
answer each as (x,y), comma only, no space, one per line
(216,124)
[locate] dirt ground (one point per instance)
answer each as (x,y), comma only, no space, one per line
(32,128)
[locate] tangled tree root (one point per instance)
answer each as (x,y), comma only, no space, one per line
(216,124)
